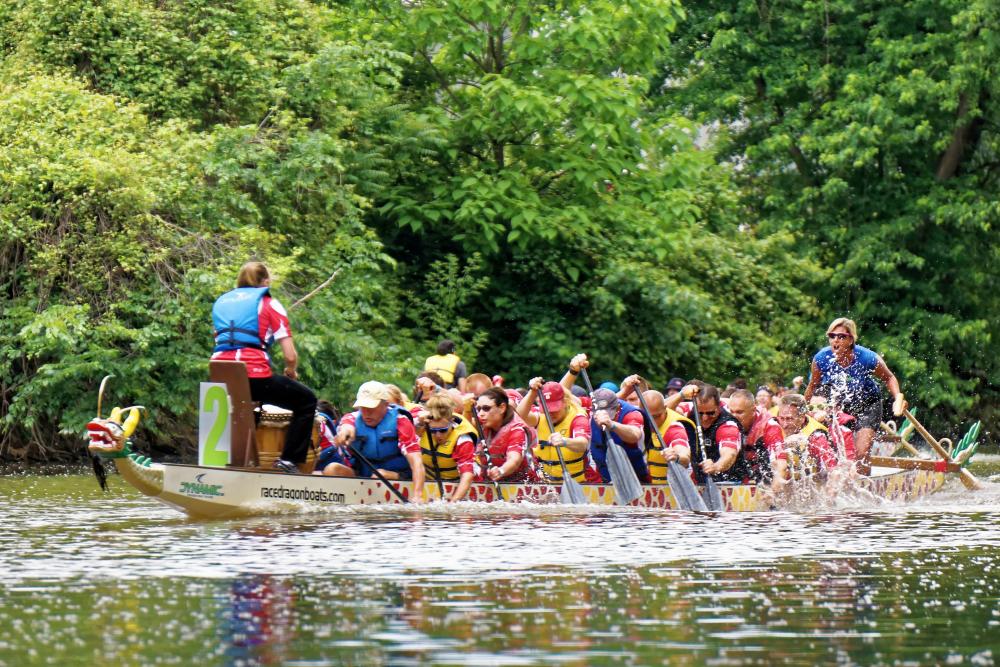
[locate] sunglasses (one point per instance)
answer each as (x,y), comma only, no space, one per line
(838,336)
(708,413)
(439,429)
(484,408)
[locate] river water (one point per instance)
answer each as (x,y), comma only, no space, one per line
(117,578)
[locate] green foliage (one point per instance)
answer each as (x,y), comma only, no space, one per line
(118,230)
(864,129)
(675,191)
(601,222)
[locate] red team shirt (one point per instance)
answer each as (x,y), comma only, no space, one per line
(676,435)
(272,321)
(578,428)
(632,419)
(510,438)
(766,426)
(464,454)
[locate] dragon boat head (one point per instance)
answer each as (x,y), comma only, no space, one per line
(109,437)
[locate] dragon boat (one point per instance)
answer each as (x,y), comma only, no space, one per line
(242,484)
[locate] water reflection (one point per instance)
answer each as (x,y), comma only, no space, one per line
(92,579)
(260,620)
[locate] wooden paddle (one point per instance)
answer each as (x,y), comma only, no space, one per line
(711,492)
(968,479)
(681,486)
(623,477)
(572,492)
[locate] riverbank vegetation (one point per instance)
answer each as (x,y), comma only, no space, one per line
(678,189)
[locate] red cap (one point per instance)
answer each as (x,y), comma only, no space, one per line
(553,395)
(513,396)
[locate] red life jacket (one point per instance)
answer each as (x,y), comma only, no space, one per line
(498,448)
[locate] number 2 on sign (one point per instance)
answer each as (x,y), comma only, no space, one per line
(213,425)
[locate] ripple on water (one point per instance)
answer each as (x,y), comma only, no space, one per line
(120,578)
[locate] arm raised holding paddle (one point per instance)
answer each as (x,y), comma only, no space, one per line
(563,434)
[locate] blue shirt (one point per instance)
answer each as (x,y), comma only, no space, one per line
(851,384)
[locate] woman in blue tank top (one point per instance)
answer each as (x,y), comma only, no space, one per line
(848,372)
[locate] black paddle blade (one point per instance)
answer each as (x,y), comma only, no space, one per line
(684,490)
(712,495)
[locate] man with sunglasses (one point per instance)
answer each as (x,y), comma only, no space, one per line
(722,432)
(847,371)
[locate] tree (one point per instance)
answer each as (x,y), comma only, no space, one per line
(863,129)
(600,220)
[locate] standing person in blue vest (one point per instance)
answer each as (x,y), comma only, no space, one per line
(848,371)
(247,321)
(448,365)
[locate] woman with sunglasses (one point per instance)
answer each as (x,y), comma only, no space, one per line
(507,438)
(448,445)
(847,372)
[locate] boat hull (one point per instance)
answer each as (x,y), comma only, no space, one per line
(209,492)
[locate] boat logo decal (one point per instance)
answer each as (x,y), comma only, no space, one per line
(200,489)
(283,493)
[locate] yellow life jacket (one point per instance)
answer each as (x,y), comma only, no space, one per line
(801,462)
(446,465)
(546,454)
(444,365)
(654,455)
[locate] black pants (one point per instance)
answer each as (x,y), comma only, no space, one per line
(286,393)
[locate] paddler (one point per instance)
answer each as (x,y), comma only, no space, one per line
(507,435)
(385,437)
(448,444)
(617,421)
(848,372)
(673,429)
(807,441)
(247,321)
(571,431)
(763,442)
(612,419)
(723,434)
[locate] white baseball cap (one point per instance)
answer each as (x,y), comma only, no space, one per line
(370,394)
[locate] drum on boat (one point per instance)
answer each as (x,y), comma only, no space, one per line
(271,428)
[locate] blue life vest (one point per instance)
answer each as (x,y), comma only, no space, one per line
(235,318)
(851,386)
(380,443)
(599,447)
